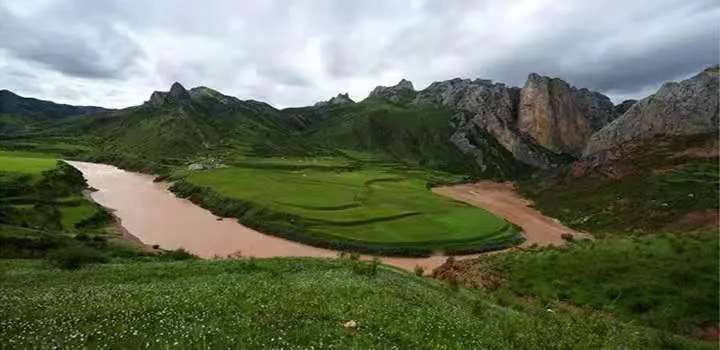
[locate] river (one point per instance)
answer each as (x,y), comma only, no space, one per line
(151,213)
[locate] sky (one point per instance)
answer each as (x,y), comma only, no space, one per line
(297,52)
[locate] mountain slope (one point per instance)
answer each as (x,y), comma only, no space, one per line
(420,135)
(688,107)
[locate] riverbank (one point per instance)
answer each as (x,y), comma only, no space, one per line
(155,216)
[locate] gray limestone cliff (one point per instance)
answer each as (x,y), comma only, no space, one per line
(402,92)
(678,108)
(337,100)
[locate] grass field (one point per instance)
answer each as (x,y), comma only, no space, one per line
(664,281)
(25,162)
(277,303)
(21,178)
(374,204)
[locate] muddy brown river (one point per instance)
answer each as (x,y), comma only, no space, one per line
(154,215)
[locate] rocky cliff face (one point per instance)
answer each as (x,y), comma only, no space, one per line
(685,108)
(492,109)
(546,116)
(177,93)
(559,117)
(402,92)
(337,100)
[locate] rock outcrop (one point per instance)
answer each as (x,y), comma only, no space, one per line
(402,92)
(337,100)
(685,108)
(493,109)
(176,94)
(559,117)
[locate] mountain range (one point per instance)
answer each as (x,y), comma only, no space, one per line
(476,126)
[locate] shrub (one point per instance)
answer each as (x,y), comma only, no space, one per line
(419,270)
(366,268)
(82,237)
(156,246)
(178,254)
(567,237)
(453,283)
(72,258)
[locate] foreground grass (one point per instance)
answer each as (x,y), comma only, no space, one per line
(665,281)
(274,303)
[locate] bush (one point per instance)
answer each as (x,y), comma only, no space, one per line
(454,283)
(82,237)
(419,270)
(366,268)
(178,254)
(72,258)
(567,237)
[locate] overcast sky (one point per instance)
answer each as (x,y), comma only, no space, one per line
(296,52)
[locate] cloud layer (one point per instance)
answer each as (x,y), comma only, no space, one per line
(292,53)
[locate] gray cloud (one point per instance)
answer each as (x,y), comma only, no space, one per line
(88,52)
(298,52)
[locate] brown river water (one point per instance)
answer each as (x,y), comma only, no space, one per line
(152,214)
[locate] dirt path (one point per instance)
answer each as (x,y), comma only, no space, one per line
(501,199)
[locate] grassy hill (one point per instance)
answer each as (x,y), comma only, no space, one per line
(279,303)
(665,183)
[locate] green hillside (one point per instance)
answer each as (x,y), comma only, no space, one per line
(279,303)
(175,127)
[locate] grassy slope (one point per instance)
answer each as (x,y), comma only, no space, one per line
(663,186)
(288,303)
(420,136)
(373,204)
(669,281)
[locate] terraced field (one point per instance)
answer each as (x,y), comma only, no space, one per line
(374,205)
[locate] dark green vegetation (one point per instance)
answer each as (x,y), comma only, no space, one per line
(655,185)
(42,211)
(383,210)
(269,303)
(664,281)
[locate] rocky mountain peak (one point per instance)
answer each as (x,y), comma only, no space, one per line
(178,91)
(678,108)
(337,100)
(405,84)
(402,92)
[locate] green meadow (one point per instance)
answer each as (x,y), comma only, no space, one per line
(374,203)
(280,303)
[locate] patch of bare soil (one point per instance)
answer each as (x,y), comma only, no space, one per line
(709,218)
(503,200)
(708,150)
